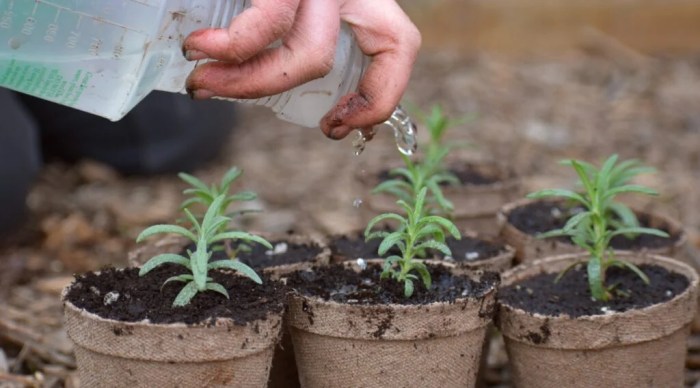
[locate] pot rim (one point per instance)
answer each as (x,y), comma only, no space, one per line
(674,225)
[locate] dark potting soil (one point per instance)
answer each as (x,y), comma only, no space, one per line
(353,246)
(259,257)
(467,175)
(571,295)
(470,175)
(282,252)
(543,216)
(470,249)
(343,285)
(141,298)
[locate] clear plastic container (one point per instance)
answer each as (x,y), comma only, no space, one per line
(103,57)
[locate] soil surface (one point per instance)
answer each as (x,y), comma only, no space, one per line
(571,295)
(351,246)
(470,175)
(343,285)
(467,175)
(470,249)
(141,298)
(543,216)
(283,252)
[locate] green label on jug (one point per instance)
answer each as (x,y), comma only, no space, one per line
(44,82)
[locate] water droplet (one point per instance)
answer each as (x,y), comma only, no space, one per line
(404,131)
(361,138)
(357,203)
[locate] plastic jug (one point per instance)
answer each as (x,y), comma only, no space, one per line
(104,56)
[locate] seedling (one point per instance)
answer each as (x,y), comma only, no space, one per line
(201,194)
(204,235)
(416,232)
(430,172)
(602,218)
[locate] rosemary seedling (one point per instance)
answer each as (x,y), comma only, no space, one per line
(602,218)
(204,234)
(416,232)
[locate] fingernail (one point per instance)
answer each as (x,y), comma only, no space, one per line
(199,94)
(194,55)
(336,132)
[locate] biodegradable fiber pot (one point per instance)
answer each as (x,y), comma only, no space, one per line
(140,354)
(636,348)
(390,345)
(284,372)
(529,247)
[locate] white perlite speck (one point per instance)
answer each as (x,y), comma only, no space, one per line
(471,255)
(278,250)
(111,297)
(362,263)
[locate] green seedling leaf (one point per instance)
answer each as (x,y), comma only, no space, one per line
(216,287)
(639,230)
(567,269)
(185,295)
(162,229)
(446,224)
(408,288)
(237,266)
(625,214)
(595,280)
(629,189)
(633,268)
(424,274)
(192,181)
(244,236)
(162,259)
(388,242)
(231,175)
(179,278)
(383,217)
(568,194)
(431,244)
(242,196)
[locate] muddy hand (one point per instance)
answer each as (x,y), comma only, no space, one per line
(246,67)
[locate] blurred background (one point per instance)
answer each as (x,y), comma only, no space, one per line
(540,81)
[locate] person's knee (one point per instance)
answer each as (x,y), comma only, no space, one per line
(165,133)
(19,160)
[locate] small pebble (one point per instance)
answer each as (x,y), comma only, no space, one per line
(94,290)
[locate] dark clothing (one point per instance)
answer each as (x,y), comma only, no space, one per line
(165,133)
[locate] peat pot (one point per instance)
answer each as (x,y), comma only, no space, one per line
(389,345)
(638,347)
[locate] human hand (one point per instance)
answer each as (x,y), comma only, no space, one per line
(246,67)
